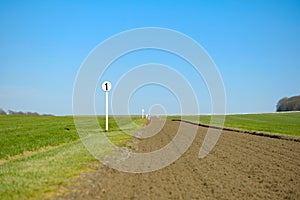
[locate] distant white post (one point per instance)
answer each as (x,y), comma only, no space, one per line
(106,87)
(143,113)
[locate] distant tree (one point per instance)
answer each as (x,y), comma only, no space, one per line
(11,112)
(32,113)
(282,104)
(48,115)
(288,104)
(2,112)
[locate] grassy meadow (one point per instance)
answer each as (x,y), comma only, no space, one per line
(279,123)
(38,154)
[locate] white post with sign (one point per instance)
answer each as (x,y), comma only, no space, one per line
(106,87)
(143,113)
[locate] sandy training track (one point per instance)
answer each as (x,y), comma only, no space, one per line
(241,166)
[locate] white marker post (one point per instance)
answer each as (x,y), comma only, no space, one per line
(143,113)
(106,87)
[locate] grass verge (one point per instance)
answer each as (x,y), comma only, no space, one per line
(279,123)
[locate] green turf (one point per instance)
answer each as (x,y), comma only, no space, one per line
(280,123)
(40,175)
(41,153)
(29,133)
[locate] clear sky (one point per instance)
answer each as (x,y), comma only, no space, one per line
(255,45)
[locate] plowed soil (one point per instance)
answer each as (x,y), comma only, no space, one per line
(241,166)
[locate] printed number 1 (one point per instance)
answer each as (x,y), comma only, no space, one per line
(106,86)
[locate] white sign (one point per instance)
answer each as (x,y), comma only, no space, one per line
(106,86)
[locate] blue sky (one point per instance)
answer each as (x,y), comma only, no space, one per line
(255,45)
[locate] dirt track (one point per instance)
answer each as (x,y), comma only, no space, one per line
(241,166)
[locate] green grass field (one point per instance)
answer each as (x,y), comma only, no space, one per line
(38,154)
(279,123)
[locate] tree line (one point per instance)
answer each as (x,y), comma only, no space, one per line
(288,104)
(11,112)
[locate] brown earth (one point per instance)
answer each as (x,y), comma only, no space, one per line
(241,166)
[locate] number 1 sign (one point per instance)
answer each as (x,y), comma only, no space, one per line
(106,87)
